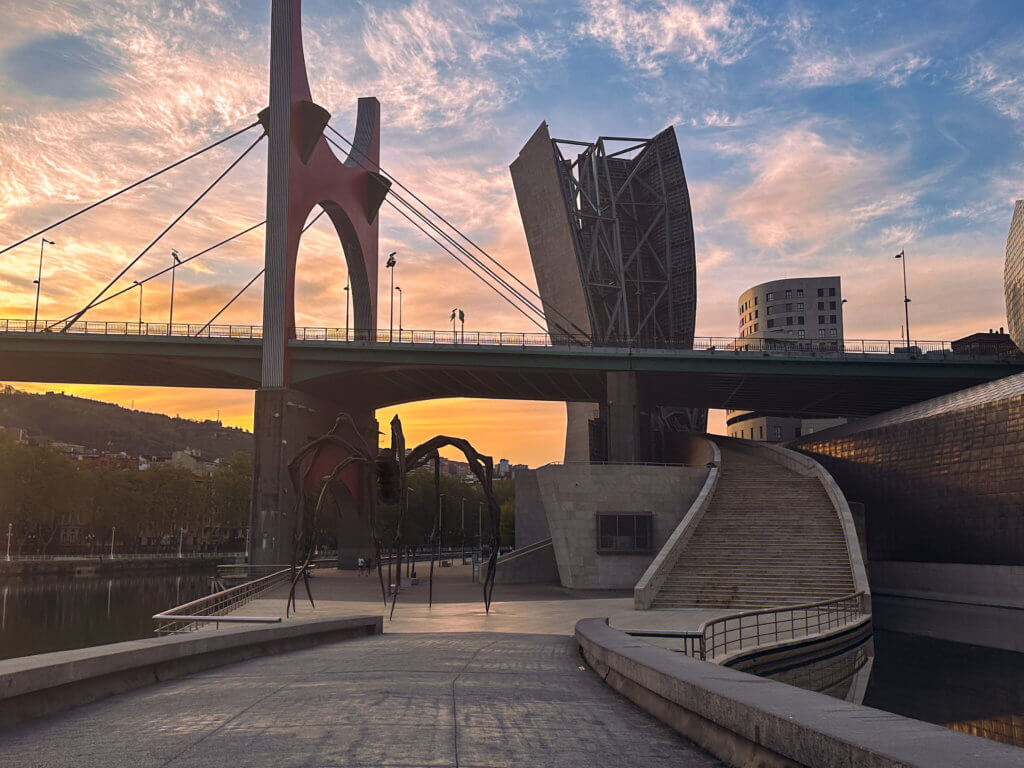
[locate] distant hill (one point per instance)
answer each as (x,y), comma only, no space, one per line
(108,427)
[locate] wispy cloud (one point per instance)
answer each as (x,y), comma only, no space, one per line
(645,38)
(996,80)
(825,69)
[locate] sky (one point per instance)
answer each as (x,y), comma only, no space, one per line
(817,138)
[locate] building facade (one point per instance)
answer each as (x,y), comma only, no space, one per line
(794,310)
(1013,276)
(610,233)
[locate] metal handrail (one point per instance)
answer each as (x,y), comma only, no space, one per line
(702,344)
(182,618)
(745,630)
(129,556)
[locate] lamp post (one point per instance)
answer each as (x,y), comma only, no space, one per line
(39,280)
(480,530)
(174,268)
(463,530)
(399,289)
(455,313)
(181,537)
(140,304)
(906,301)
(348,283)
(112,531)
(440,523)
(462,321)
(10,528)
(391,265)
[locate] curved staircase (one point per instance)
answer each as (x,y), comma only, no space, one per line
(769,537)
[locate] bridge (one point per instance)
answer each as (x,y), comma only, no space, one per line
(853,378)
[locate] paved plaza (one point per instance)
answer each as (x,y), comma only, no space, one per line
(440,699)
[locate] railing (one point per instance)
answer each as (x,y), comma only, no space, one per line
(703,344)
(127,556)
(189,616)
(748,630)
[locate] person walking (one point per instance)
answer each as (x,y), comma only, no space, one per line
(361,565)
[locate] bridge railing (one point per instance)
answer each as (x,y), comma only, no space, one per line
(790,347)
(765,627)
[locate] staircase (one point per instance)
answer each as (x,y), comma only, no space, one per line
(770,537)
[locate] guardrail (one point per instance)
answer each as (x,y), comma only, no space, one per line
(714,344)
(187,617)
(127,556)
(748,630)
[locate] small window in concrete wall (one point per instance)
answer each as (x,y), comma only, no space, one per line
(624,532)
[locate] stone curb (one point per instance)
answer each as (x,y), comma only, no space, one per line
(751,721)
(32,686)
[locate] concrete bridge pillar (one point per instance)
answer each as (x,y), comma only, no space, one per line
(628,421)
(285,421)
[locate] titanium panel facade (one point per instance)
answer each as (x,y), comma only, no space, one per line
(1013,276)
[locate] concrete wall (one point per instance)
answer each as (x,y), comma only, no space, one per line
(531,519)
(573,495)
(533,565)
(942,480)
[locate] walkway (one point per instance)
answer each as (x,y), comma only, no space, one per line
(476,699)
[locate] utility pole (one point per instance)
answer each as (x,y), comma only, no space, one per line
(39,281)
(174,268)
(391,265)
(906,301)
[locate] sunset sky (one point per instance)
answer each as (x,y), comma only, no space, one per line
(818,138)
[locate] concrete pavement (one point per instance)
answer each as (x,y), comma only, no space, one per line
(469,699)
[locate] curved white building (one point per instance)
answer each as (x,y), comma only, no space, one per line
(1013,276)
(795,309)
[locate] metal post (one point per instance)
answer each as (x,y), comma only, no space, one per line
(112,531)
(181,536)
(399,289)
(174,268)
(140,304)
(902,256)
(347,284)
(39,281)
(480,530)
(391,322)
(440,524)
(10,528)
(463,530)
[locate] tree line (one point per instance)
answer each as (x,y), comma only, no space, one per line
(42,490)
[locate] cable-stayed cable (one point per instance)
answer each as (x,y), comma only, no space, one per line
(501,266)
(165,230)
(132,186)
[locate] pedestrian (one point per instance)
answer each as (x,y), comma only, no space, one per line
(361,565)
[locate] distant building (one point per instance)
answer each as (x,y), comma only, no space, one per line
(192,460)
(991,344)
(801,311)
(16,434)
(504,468)
(1013,276)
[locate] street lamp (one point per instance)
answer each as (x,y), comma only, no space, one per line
(181,536)
(399,289)
(458,313)
(39,280)
(391,265)
(113,530)
(906,301)
(440,522)
(348,282)
(174,268)
(136,282)
(10,527)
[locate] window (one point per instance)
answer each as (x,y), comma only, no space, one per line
(831,291)
(800,307)
(800,320)
(821,291)
(789,321)
(624,532)
(789,307)
(832,319)
(757,327)
(760,432)
(771,323)
(831,305)
(769,310)
(770,295)
(798,431)
(777,433)
(800,333)
(799,293)
(821,306)
(789,294)
(821,332)
(833,331)
(821,319)
(755,301)
(756,312)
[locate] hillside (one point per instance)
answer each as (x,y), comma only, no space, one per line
(108,427)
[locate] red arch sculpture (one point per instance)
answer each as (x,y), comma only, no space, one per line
(349,191)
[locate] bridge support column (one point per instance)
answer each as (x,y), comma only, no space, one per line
(285,421)
(628,422)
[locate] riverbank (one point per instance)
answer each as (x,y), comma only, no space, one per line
(119,565)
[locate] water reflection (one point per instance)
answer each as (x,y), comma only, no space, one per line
(968,688)
(58,613)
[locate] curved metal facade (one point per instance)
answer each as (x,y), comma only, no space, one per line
(1013,276)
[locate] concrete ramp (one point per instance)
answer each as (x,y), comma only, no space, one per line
(534,564)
